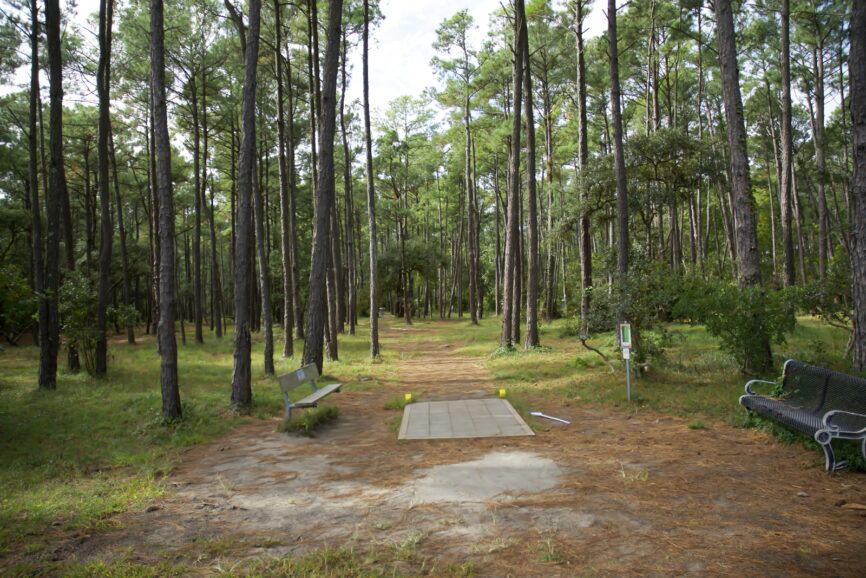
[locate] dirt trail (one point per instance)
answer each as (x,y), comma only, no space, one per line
(619,494)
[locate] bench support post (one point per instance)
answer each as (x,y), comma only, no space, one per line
(824,438)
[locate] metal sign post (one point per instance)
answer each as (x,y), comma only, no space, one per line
(625,344)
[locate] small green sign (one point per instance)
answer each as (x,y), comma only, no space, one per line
(625,335)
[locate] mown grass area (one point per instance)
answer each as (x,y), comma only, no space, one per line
(71,457)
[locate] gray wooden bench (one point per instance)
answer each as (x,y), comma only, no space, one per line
(306,374)
(823,403)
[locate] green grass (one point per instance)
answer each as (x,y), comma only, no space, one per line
(324,563)
(310,419)
(398,402)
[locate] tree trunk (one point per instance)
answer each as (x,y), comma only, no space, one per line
(54,200)
(216,285)
(532,339)
(348,295)
(619,156)
(857,72)
(47,355)
(741,186)
(584,231)
(264,276)
(371,195)
(285,221)
(242,395)
(510,301)
(820,160)
(324,192)
(198,191)
(124,256)
(103,84)
(171,408)
(787,151)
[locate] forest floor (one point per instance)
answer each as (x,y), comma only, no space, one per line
(623,490)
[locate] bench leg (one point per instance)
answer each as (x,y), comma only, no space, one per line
(288,406)
(830,463)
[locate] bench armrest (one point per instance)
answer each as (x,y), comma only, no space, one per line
(749,385)
(829,416)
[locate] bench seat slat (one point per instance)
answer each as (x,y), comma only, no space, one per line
(312,399)
(799,419)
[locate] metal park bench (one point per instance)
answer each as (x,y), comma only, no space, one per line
(306,374)
(823,403)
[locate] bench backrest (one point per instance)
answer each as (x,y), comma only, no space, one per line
(306,374)
(819,390)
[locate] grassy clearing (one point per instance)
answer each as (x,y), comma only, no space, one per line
(72,457)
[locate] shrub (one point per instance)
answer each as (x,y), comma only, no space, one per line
(17,305)
(78,307)
(743,318)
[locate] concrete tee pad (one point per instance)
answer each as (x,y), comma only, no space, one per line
(464,418)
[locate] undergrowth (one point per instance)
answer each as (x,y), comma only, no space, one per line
(310,419)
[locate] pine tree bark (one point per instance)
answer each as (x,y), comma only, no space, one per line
(45,350)
(324,192)
(285,222)
(242,395)
(619,155)
(821,159)
(54,198)
(532,339)
(787,151)
(264,276)
(103,84)
(171,408)
(857,73)
(349,280)
(197,289)
(121,230)
(510,300)
(371,195)
(216,284)
(584,231)
(741,186)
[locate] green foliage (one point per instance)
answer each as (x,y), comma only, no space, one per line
(831,299)
(17,305)
(310,419)
(647,294)
(123,315)
(78,306)
(743,318)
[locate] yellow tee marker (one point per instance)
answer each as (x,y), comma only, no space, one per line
(502,392)
(408,397)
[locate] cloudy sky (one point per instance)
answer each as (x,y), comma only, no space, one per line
(402,46)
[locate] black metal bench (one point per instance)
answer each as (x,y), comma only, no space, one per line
(306,374)
(823,403)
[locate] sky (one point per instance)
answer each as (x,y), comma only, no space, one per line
(401,46)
